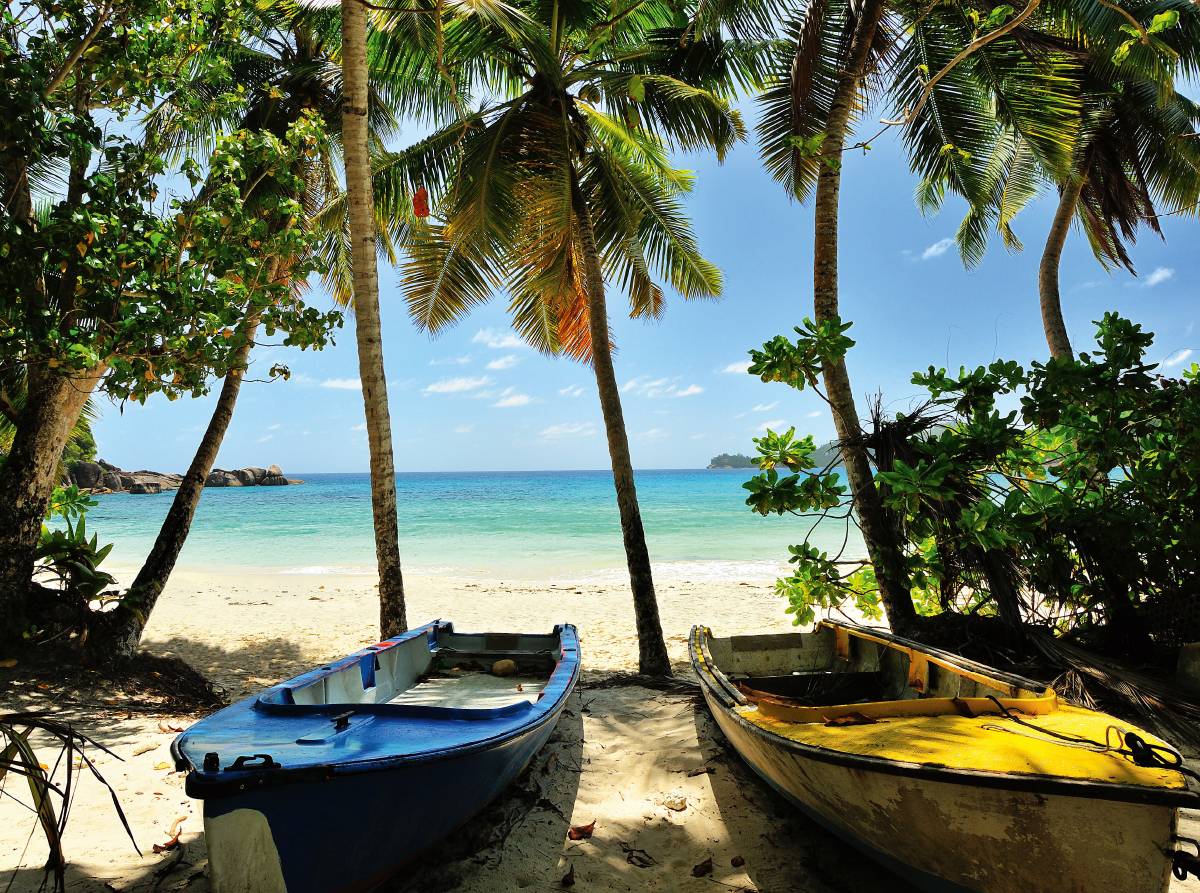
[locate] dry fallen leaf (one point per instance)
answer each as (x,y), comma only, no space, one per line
(701,770)
(176,830)
(568,879)
(43,686)
(703,868)
(162,766)
(581,832)
(9,662)
(737,861)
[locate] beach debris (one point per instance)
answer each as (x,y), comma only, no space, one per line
(8,662)
(702,770)
(850,719)
(676,800)
(519,687)
(43,686)
(467,665)
(163,765)
(703,868)
(176,830)
(581,832)
(144,748)
(737,861)
(167,727)
(637,857)
(568,879)
(504,667)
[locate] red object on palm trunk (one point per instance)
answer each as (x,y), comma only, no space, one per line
(421,202)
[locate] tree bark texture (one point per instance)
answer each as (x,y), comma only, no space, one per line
(878,534)
(121,640)
(52,406)
(393,619)
(652,648)
(1052,318)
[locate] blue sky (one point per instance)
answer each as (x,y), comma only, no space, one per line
(476,399)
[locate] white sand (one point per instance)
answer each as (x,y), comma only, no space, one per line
(615,755)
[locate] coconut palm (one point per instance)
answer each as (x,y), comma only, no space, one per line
(1134,153)
(287,67)
(953,68)
(559,183)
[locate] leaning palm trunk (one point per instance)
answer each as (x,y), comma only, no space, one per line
(52,406)
(392,615)
(652,648)
(877,532)
(1052,318)
(120,640)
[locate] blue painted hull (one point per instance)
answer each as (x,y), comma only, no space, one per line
(341,795)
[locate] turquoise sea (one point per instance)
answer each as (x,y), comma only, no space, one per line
(545,525)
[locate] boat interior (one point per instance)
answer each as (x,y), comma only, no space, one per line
(840,664)
(441,668)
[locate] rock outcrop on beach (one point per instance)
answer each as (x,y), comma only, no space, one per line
(249,477)
(104,477)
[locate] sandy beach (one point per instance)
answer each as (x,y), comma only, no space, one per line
(616,756)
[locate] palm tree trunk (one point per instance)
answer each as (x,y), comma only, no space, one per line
(120,640)
(393,619)
(27,477)
(877,532)
(1052,318)
(652,648)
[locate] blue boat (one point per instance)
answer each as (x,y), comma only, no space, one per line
(333,780)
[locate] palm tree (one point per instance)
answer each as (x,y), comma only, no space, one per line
(840,56)
(287,67)
(559,182)
(357,154)
(1135,145)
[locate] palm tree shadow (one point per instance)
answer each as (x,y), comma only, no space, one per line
(523,828)
(761,823)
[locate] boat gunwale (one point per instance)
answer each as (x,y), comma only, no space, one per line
(203,786)
(714,683)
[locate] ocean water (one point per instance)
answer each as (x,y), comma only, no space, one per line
(547,525)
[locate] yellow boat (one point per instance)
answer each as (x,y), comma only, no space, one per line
(954,775)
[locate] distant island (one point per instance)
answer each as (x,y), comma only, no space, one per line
(737,460)
(822,457)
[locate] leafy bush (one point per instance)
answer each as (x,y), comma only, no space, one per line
(1080,508)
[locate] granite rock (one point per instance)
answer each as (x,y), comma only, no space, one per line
(88,475)
(146,487)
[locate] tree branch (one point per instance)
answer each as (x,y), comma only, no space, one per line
(73,59)
(974,45)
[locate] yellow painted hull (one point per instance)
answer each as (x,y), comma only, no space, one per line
(956,829)
(957,837)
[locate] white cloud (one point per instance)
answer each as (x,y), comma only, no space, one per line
(654,434)
(273,427)
(504,362)
(345,384)
(773,425)
(644,386)
(689,391)
(1180,357)
(577,429)
(402,385)
(937,249)
(264,439)
(514,400)
(763,407)
(743,367)
(491,339)
(571,390)
(463,429)
(699,436)
(1160,274)
(456,385)
(451,361)
(362,427)
(814,414)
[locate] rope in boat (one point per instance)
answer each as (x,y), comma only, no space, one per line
(1142,752)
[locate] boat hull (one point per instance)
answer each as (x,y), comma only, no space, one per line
(352,831)
(947,837)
